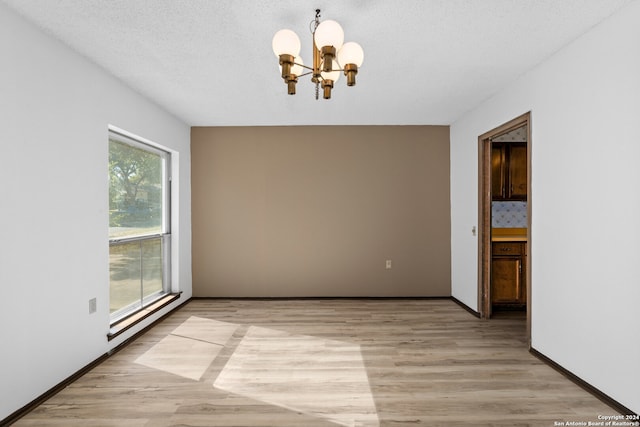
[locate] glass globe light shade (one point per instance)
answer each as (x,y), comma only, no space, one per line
(351,53)
(286,42)
(334,74)
(329,33)
(297,68)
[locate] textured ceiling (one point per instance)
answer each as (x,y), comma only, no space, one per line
(210,62)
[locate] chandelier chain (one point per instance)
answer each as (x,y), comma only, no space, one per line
(315,22)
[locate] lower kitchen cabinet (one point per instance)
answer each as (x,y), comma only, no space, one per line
(508,274)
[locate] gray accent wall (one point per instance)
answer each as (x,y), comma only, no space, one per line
(317,211)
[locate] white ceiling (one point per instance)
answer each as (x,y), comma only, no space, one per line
(210,62)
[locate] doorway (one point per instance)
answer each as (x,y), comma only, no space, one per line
(488,185)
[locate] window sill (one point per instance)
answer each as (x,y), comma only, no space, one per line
(137,317)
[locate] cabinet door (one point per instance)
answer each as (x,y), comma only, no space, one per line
(517,172)
(498,163)
(506,286)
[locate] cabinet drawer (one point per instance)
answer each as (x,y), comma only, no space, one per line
(508,248)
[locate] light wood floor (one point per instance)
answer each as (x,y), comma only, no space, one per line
(323,363)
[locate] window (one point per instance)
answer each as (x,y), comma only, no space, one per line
(139,231)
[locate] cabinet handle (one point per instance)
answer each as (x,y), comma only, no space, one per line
(505,249)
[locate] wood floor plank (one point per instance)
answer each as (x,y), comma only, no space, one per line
(425,362)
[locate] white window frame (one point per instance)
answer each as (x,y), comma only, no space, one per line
(165,230)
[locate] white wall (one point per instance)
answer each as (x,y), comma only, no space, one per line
(585,104)
(55,107)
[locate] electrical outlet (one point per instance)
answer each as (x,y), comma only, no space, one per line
(388,264)
(93,305)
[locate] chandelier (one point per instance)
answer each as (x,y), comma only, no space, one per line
(330,56)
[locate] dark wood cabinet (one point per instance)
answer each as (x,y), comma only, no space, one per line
(508,275)
(509,170)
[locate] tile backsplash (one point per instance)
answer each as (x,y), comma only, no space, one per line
(509,214)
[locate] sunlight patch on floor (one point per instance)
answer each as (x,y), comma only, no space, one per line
(207,330)
(180,356)
(315,376)
(190,349)
(320,377)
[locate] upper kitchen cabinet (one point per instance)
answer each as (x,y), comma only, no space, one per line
(508,170)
